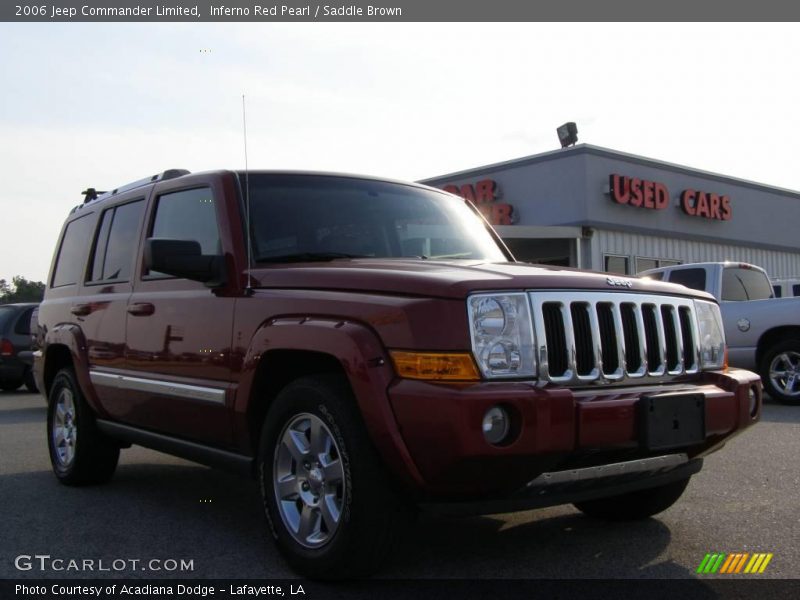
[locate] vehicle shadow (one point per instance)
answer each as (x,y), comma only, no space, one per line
(557,543)
(184,511)
(147,511)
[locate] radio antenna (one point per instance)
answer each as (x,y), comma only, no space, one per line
(249,289)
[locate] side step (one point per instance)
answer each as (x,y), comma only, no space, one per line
(199,453)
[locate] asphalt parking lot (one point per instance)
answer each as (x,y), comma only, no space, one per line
(746,499)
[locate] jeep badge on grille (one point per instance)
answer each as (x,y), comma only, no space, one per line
(616,281)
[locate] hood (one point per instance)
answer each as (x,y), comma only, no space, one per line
(449,279)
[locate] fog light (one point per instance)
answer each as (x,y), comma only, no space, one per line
(495,425)
(753,396)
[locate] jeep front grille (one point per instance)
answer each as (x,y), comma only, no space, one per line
(585,337)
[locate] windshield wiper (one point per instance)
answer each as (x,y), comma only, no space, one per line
(308,257)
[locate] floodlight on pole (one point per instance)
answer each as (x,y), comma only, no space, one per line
(567,134)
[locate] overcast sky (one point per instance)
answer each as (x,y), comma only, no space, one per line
(104,104)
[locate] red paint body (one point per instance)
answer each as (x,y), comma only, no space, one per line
(352,311)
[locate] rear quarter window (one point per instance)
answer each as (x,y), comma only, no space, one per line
(6,314)
(72,253)
(739,284)
(23,324)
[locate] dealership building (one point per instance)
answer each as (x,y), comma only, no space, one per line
(595,208)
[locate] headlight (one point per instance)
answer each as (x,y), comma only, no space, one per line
(712,337)
(502,335)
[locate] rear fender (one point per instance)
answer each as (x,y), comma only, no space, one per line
(71,336)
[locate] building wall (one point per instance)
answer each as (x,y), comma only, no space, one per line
(776,263)
(570,188)
(762,216)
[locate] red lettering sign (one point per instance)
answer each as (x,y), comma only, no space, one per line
(654,195)
(707,206)
(638,192)
(484,195)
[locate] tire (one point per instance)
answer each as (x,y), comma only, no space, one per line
(634,506)
(314,444)
(30,382)
(10,385)
(79,453)
(780,372)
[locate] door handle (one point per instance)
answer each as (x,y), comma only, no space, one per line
(141,309)
(81,310)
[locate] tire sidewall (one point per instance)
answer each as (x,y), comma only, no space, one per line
(65,379)
(298,398)
(776,394)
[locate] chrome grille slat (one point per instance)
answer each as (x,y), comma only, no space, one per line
(637,313)
(569,334)
(620,373)
(560,316)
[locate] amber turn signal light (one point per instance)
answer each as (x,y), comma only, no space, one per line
(435,366)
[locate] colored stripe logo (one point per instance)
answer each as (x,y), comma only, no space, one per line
(735,563)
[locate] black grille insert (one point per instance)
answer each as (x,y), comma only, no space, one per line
(688,338)
(670,337)
(608,337)
(557,362)
(633,358)
(651,335)
(581,325)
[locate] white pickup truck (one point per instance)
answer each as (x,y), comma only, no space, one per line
(763,332)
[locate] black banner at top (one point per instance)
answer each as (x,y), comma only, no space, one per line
(260,11)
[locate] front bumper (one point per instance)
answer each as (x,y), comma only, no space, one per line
(579,485)
(557,429)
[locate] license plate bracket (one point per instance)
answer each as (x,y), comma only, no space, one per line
(672,420)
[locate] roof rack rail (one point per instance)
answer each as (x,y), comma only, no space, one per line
(92,194)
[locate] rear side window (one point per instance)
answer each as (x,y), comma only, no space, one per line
(691,278)
(116,242)
(6,314)
(23,325)
(188,215)
(745,284)
(796,290)
(71,254)
(776,289)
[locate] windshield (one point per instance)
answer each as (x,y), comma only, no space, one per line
(320,217)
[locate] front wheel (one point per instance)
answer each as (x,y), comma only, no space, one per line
(326,495)
(634,506)
(79,452)
(780,372)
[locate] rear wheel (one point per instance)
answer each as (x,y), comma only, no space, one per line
(326,495)
(79,453)
(634,506)
(780,372)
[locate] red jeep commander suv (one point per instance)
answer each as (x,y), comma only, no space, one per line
(366,347)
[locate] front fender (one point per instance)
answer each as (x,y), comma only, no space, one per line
(365,363)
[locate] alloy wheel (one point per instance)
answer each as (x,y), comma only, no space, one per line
(308,479)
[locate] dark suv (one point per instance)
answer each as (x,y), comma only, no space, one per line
(15,346)
(364,348)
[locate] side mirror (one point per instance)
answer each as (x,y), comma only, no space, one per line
(184,258)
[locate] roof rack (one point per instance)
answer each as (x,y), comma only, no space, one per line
(92,194)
